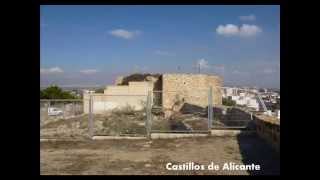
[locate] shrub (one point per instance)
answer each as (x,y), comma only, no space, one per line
(127,110)
(55,92)
(228,102)
(100,90)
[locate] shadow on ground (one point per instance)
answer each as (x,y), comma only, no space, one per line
(256,150)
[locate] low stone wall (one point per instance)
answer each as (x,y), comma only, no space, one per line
(268,128)
(230,132)
(175,135)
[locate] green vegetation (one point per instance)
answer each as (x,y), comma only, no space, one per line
(55,92)
(228,102)
(137,77)
(100,90)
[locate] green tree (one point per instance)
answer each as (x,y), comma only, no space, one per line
(100,90)
(54,92)
(41,95)
(228,102)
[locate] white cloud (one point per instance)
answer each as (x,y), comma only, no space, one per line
(245,30)
(249,30)
(203,64)
(164,53)
(227,30)
(250,17)
(53,70)
(89,71)
(125,34)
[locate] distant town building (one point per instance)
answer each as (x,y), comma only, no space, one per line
(88,91)
(243,97)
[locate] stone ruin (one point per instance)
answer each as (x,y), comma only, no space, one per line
(173,92)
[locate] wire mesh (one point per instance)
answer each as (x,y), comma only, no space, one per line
(62,118)
(238,108)
(118,115)
(179,111)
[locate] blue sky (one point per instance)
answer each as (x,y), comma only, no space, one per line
(92,45)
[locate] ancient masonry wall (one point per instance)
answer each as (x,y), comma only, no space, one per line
(190,88)
(268,128)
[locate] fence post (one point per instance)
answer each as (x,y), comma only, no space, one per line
(148,109)
(210,113)
(90,124)
(49,104)
(73,109)
(64,110)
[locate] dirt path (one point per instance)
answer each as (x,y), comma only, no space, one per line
(151,157)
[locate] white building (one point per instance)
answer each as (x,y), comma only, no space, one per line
(229,91)
(242,97)
(248,101)
(85,91)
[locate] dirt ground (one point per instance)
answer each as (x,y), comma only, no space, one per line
(118,123)
(144,157)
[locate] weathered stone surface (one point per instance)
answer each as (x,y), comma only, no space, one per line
(190,88)
(268,128)
(177,90)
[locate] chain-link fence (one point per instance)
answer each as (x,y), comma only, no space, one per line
(238,108)
(116,115)
(180,111)
(202,110)
(62,118)
(154,111)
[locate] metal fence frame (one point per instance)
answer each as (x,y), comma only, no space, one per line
(150,105)
(210,109)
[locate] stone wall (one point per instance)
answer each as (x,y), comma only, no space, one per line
(190,88)
(268,128)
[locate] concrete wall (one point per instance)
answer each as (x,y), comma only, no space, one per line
(268,128)
(134,95)
(190,88)
(134,88)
